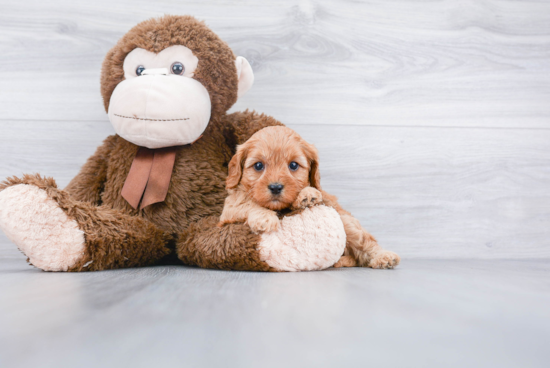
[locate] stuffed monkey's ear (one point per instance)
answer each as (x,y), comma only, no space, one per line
(245,75)
(235,168)
(313,157)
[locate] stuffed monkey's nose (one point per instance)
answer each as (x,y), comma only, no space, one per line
(276,188)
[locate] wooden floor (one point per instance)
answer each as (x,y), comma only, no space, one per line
(426,313)
(432,119)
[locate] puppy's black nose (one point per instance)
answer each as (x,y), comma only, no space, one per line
(276,188)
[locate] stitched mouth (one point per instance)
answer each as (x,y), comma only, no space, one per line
(136,118)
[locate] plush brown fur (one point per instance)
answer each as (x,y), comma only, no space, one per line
(116,235)
(113,239)
(119,236)
(216,69)
(196,190)
(234,248)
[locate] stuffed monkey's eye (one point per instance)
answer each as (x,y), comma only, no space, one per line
(293,166)
(258,166)
(177,68)
(140,70)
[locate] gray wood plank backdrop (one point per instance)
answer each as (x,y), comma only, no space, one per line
(432,117)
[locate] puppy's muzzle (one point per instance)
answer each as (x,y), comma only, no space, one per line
(275,188)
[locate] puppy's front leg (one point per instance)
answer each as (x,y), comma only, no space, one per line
(235,209)
(238,207)
(308,197)
(261,219)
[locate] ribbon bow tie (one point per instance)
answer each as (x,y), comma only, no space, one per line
(149,176)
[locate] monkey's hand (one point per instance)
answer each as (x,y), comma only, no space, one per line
(308,197)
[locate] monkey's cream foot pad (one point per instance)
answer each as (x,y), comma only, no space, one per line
(40,228)
(312,240)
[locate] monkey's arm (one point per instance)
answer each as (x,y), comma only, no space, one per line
(242,125)
(362,249)
(88,184)
(231,247)
(298,246)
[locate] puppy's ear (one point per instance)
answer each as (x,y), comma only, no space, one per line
(313,157)
(314,175)
(236,168)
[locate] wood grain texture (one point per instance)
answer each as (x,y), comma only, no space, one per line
(423,192)
(404,63)
(432,118)
(422,314)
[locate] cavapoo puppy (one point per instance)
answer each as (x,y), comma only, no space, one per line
(276,172)
(270,172)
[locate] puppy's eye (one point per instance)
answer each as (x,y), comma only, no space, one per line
(293,166)
(140,70)
(258,166)
(177,68)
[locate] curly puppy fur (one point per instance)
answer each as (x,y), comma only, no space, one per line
(250,198)
(251,201)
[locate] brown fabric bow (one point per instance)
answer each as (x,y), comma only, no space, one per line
(149,176)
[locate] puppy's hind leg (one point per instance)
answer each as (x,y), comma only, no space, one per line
(346,261)
(364,247)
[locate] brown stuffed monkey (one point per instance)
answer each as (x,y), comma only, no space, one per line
(153,192)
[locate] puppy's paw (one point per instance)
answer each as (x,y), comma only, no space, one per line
(345,261)
(384,259)
(308,197)
(266,222)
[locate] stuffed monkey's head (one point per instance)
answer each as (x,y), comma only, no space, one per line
(167,77)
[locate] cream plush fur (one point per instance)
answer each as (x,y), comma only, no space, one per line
(143,112)
(142,108)
(313,240)
(41,230)
(245,74)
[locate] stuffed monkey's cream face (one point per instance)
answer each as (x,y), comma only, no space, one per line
(159,104)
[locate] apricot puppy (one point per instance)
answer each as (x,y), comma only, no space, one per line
(277,170)
(274,170)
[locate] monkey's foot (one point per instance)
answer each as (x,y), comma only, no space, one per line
(40,228)
(312,240)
